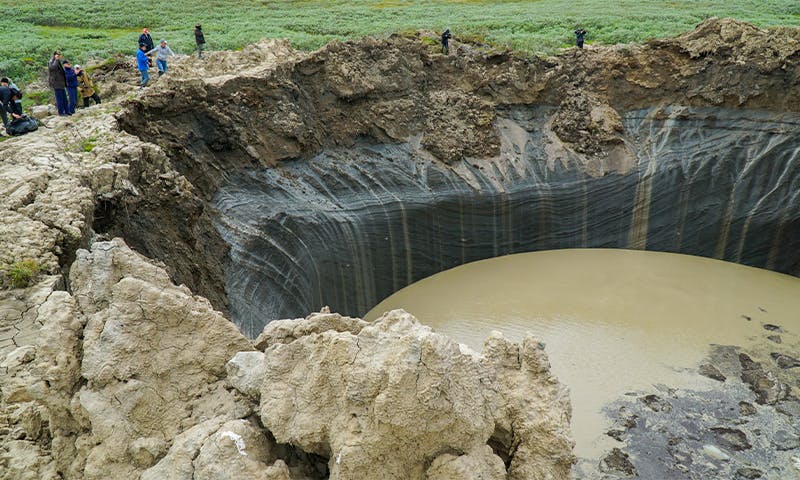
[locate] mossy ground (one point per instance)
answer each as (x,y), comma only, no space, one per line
(92,31)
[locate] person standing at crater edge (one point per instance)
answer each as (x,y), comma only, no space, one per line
(446,36)
(58,82)
(161,51)
(143,64)
(580,35)
(146,40)
(72,87)
(199,39)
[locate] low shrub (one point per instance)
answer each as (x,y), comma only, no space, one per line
(22,273)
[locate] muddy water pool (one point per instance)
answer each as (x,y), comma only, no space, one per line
(614,321)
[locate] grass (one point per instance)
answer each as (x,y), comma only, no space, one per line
(93,30)
(88,144)
(22,273)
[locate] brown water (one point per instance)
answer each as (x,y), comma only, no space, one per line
(614,321)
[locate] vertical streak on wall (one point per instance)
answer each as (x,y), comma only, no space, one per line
(777,240)
(508,226)
(746,227)
(407,244)
(789,167)
(352,266)
(494,228)
(775,247)
(461,227)
(392,250)
(585,219)
(641,208)
(545,201)
(683,208)
(722,241)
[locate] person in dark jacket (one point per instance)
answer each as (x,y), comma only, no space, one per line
(58,82)
(580,35)
(146,40)
(8,102)
(16,96)
(143,64)
(5,101)
(199,39)
(72,86)
(446,36)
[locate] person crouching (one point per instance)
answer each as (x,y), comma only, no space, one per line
(86,87)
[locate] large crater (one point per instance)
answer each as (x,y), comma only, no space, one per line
(338,177)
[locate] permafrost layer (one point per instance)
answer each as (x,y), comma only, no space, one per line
(351,226)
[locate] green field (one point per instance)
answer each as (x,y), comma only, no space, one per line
(91,30)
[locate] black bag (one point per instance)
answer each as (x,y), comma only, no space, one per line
(22,125)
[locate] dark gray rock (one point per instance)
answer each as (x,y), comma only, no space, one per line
(749,473)
(624,421)
(746,409)
(785,440)
(731,438)
(711,371)
(772,328)
(656,403)
(785,361)
(618,462)
(768,389)
(774,338)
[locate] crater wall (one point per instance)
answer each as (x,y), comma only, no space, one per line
(351,226)
(339,176)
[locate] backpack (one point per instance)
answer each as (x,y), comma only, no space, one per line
(22,125)
(16,93)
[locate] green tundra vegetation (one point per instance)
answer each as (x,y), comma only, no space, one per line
(93,30)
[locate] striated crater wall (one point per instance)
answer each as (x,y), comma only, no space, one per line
(351,226)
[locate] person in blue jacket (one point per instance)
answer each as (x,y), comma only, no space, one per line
(142,62)
(72,87)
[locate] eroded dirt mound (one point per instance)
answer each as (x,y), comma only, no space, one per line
(129,380)
(274,103)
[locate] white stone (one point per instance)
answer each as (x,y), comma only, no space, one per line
(716,453)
